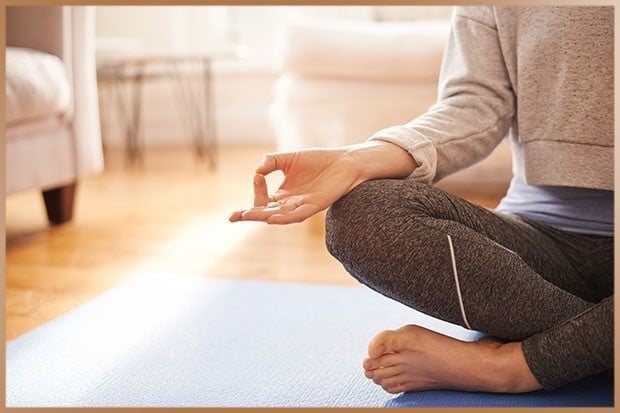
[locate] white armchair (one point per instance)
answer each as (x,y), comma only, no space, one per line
(52,135)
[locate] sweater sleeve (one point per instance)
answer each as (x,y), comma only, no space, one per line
(475,105)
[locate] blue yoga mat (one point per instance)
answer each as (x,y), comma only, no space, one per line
(198,342)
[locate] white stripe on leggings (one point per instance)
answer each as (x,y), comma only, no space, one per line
(456,281)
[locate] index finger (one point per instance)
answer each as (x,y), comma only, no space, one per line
(268,164)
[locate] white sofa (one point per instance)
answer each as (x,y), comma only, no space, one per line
(342,80)
(52,133)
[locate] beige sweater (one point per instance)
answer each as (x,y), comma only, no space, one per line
(541,75)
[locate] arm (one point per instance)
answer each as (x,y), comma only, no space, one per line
(474,112)
(476,101)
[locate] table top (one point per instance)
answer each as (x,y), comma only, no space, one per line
(160,65)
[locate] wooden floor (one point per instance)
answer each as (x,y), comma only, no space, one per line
(167,216)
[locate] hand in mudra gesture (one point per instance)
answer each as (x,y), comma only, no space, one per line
(313,180)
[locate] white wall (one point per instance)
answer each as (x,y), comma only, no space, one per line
(156,30)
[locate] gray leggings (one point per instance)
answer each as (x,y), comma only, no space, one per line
(499,274)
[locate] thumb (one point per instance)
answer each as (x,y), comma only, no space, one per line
(261,196)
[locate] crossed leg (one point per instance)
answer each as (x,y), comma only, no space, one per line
(392,235)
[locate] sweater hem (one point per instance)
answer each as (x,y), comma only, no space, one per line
(568,164)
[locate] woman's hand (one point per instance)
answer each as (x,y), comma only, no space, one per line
(313,180)
(316,178)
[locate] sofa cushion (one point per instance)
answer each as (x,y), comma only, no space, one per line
(37,85)
(332,112)
(398,51)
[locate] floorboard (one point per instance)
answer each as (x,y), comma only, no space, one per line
(167,215)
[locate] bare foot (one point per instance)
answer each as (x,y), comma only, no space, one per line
(414,358)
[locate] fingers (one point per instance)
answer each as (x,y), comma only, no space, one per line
(262,213)
(235,216)
(298,214)
(279,213)
(264,210)
(261,197)
(268,164)
(275,162)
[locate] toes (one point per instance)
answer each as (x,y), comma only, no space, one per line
(392,380)
(395,384)
(380,344)
(394,390)
(392,341)
(371,364)
(383,373)
(400,387)
(386,360)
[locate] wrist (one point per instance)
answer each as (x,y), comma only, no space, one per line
(380,159)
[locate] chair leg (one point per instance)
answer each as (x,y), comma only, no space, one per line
(59,203)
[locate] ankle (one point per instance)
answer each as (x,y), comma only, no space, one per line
(512,372)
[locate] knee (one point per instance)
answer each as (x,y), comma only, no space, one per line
(369,217)
(349,217)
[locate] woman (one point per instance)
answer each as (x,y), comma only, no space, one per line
(536,274)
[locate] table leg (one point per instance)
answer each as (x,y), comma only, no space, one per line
(211,131)
(200,112)
(129,106)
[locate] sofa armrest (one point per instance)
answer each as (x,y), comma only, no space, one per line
(69,33)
